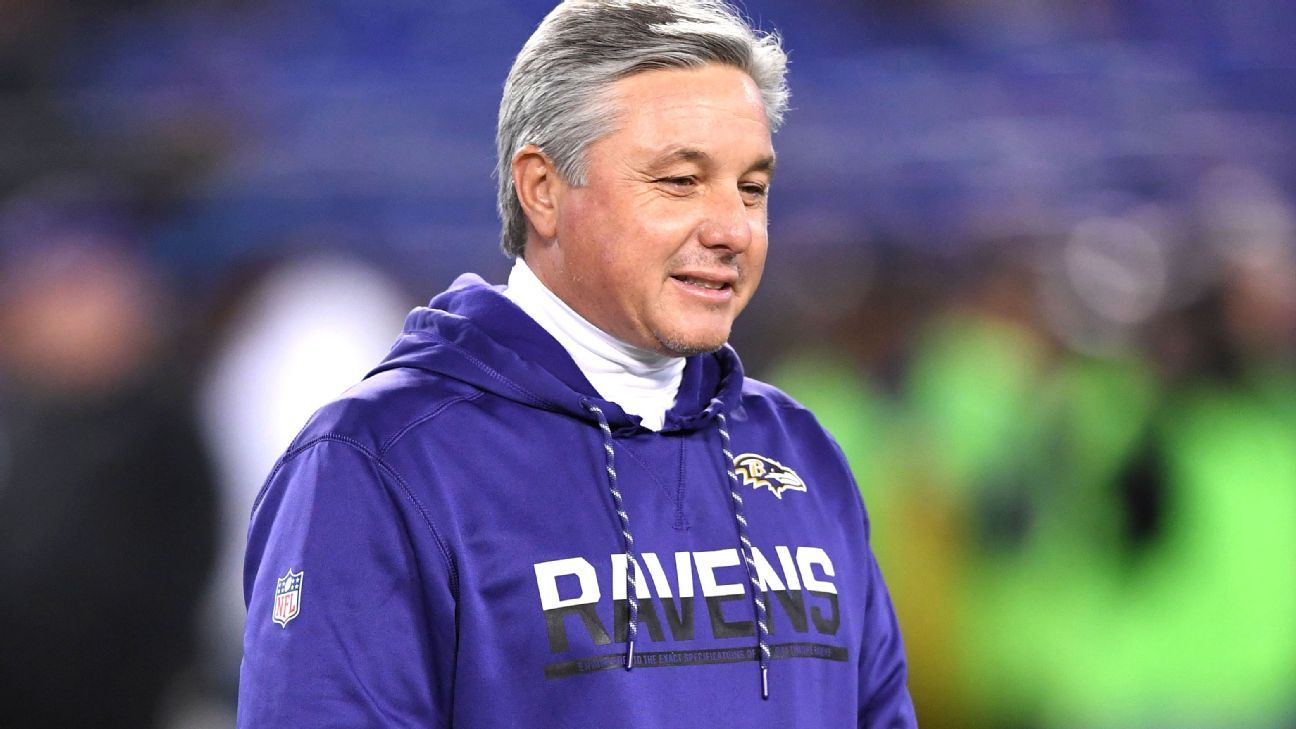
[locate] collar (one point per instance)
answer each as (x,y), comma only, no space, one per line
(642,382)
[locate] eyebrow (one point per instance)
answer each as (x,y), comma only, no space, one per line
(697,156)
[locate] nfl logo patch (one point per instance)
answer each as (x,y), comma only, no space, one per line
(287,598)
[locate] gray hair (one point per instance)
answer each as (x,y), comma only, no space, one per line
(556,93)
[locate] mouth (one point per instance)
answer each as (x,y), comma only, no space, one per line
(710,284)
(710,288)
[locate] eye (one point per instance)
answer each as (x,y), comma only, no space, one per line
(682,183)
(754,193)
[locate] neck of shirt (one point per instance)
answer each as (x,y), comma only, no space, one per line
(642,382)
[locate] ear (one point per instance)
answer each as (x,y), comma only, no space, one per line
(539,188)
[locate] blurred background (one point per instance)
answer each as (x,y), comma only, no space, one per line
(1033,263)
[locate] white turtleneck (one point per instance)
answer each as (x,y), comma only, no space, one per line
(643,383)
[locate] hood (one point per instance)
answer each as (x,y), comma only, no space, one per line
(472,333)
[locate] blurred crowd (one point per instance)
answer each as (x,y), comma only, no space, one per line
(1033,264)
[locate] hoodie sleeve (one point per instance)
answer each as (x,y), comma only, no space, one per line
(350,599)
(884,692)
(884,697)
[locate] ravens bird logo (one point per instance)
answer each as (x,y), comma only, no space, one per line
(757,470)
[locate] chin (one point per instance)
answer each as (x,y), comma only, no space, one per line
(685,344)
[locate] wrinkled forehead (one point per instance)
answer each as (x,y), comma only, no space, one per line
(678,106)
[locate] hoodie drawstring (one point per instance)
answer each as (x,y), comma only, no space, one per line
(758,604)
(632,562)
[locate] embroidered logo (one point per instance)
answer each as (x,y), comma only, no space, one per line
(757,471)
(287,598)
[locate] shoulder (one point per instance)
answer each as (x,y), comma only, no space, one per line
(763,398)
(767,408)
(374,414)
(775,414)
(336,470)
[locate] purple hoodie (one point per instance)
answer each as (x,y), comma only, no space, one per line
(447,545)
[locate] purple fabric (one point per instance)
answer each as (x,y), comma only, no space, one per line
(462,564)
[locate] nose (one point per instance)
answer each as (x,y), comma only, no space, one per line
(726,222)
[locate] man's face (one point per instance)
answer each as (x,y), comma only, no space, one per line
(665,244)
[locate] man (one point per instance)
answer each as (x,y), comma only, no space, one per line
(560,503)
